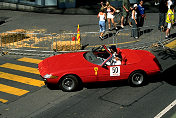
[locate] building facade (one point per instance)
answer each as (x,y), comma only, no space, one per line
(63,3)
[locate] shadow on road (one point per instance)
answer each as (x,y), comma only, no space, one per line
(173,35)
(169,76)
(109,84)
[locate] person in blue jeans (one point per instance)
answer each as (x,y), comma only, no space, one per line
(102,22)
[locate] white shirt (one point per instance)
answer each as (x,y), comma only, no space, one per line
(135,15)
(169,3)
(102,16)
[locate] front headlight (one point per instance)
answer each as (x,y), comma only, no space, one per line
(50,76)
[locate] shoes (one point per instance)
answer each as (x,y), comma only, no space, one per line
(100,37)
(110,30)
(136,37)
(122,26)
(166,37)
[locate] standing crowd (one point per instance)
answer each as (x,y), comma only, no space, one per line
(137,11)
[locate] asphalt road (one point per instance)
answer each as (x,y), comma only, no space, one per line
(98,100)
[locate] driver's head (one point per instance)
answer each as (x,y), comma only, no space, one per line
(113,49)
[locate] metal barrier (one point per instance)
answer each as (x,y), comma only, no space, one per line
(49,44)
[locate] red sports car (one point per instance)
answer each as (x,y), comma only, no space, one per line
(71,70)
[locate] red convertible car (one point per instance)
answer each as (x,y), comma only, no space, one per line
(71,70)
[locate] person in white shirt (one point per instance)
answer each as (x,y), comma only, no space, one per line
(102,23)
(134,32)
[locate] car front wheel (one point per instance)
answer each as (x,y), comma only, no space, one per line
(137,78)
(69,83)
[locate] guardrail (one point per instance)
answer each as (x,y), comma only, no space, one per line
(48,44)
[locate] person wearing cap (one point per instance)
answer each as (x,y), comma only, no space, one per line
(134,32)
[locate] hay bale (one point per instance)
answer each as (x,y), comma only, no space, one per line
(13,36)
(66,45)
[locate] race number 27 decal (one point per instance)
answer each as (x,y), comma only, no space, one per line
(115,71)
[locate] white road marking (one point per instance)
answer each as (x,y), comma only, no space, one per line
(164,111)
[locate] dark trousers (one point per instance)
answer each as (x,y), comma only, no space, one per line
(140,21)
(162,18)
(135,30)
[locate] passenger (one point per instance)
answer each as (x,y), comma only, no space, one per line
(116,56)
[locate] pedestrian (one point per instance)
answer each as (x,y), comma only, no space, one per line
(141,14)
(130,14)
(110,14)
(102,22)
(169,20)
(162,14)
(134,32)
(125,12)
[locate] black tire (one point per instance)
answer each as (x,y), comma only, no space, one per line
(68,83)
(137,78)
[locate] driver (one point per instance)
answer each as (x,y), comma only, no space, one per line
(116,56)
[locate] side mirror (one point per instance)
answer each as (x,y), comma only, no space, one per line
(105,66)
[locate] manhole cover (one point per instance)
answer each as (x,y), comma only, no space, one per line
(127,95)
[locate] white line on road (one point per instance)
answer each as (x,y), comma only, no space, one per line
(164,111)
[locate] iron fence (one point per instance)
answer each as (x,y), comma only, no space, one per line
(49,44)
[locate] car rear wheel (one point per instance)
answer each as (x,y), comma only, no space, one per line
(137,78)
(69,83)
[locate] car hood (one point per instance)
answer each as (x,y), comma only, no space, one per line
(64,62)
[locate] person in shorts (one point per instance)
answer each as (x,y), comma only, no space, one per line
(169,20)
(110,14)
(125,11)
(102,22)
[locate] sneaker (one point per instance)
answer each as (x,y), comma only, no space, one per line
(110,30)
(136,37)
(100,37)
(116,28)
(122,26)
(166,37)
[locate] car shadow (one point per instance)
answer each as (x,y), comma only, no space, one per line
(108,84)
(169,76)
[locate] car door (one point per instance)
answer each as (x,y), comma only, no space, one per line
(107,73)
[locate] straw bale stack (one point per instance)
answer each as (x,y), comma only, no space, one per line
(13,36)
(66,45)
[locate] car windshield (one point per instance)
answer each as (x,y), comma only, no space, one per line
(97,56)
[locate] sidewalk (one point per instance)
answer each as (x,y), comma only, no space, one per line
(57,23)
